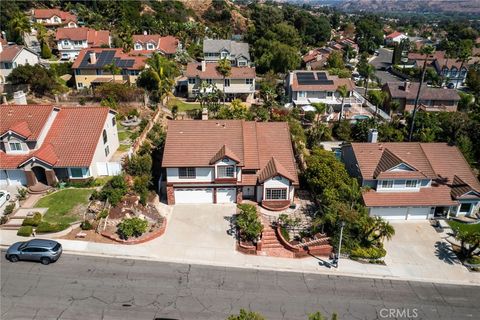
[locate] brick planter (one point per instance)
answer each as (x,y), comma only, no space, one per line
(300,252)
(143,238)
(246,249)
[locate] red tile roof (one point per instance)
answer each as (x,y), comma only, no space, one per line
(394,35)
(195,143)
(94,38)
(166,45)
(272,169)
(48,13)
(28,119)
(70,141)
(139,61)
(194,69)
(224,152)
(9,53)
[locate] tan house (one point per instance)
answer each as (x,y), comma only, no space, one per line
(45,144)
(227,161)
(90,67)
(204,76)
(431,99)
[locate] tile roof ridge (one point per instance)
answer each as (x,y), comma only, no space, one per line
(428,159)
(256,143)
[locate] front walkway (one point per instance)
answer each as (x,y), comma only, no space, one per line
(197,234)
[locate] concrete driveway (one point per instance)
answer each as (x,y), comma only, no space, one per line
(418,250)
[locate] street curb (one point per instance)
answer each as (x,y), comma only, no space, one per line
(333,272)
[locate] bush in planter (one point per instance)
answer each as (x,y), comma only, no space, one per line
(25,231)
(9,209)
(33,221)
(102,214)
(368,253)
(133,227)
(249,223)
(45,227)
(86,225)
(22,193)
(3,220)
(285,234)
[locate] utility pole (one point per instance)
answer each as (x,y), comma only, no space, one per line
(342,225)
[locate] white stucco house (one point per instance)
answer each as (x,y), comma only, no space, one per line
(227,161)
(14,56)
(45,144)
(70,41)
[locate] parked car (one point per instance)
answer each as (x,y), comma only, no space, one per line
(45,251)
(4,197)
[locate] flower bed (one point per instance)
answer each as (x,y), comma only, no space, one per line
(157,232)
(300,252)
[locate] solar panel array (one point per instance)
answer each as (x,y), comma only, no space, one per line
(106,57)
(308,78)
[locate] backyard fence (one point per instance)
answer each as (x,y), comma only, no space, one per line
(109,168)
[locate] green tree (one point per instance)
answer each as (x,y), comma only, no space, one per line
(335,60)
(366,70)
(46,53)
(469,241)
(225,69)
(113,69)
(377,97)
(19,25)
(249,223)
(246,315)
(343,92)
(464,54)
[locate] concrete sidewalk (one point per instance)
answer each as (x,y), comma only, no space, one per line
(155,250)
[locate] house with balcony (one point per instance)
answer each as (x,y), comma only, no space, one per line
(146,44)
(228,161)
(70,41)
(204,76)
(89,68)
(14,56)
(413,180)
(44,144)
(52,18)
(430,100)
(237,52)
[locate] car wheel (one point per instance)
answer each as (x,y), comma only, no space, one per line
(45,261)
(13,258)
(7,197)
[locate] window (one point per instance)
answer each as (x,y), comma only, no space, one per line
(387,184)
(114,121)
(224,54)
(209,81)
(411,183)
(242,63)
(65,42)
(276,194)
(105,136)
(76,173)
(191,81)
(107,151)
(186,173)
(150,46)
(248,81)
(80,85)
(465,207)
(77,72)
(99,72)
(15,146)
(138,46)
(225,171)
(329,94)
(302,94)
(453,72)
(227,82)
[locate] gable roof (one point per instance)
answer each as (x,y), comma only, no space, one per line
(397,91)
(197,143)
(25,120)
(272,169)
(224,152)
(9,53)
(106,56)
(48,13)
(94,38)
(235,48)
(394,35)
(194,69)
(388,161)
(461,188)
(167,44)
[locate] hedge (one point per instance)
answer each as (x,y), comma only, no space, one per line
(25,231)
(45,227)
(34,221)
(368,253)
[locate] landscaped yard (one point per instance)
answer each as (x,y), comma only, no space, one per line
(182,106)
(61,205)
(464,226)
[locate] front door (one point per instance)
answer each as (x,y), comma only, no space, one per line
(40,174)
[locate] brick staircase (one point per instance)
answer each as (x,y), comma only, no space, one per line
(270,244)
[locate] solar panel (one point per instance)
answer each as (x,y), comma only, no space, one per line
(130,63)
(308,78)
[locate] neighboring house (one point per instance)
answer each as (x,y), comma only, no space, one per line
(146,44)
(394,37)
(316,59)
(14,56)
(431,99)
(453,71)
(412,180)
(240,84)
(47,144)
(306,87)
(54,18)
(237,52)
(227,161)
(90,67)
(71,40)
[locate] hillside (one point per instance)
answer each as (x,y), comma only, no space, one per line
(460,6)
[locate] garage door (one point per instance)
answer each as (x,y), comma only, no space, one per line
(226,195)
(12,178)
(389,213)
(194,195)
(418,213)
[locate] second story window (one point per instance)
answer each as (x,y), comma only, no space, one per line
(209,81)
(105,136)
(227,82)
(411,183)
(150,46)
(248,81)
(226,171)
(186,173)
(138,46)
(191,80)
(114,122)
(107,151)
(15,146)
(387,184)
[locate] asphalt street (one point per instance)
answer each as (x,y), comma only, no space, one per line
(81,287)
(384,60)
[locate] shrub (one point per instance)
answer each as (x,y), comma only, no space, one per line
(9,209)
(368,253)
(246,315)
(86,225)
(88,183)
(133,227)
(3,219)
(140,186)
(138,165)
(22,193)
(45,227)
(285,233)
(103,214)
(25,231)
(249,223)
(33,221)
(113,190)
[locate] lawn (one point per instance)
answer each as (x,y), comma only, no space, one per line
(464,226)
(183,106)
(123,135)
(61,204)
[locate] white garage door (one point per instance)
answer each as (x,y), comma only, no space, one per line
(194,195)
(226,195)
(418,213)
(390,213)
(12,178)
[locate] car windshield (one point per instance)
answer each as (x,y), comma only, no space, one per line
(57,247)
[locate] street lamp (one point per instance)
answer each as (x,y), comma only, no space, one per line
(342,225)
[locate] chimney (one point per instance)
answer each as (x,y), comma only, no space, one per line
(204,114)
(406,85)
(19,97)
(93,58)
(204,66)
(145,32)
(373,136)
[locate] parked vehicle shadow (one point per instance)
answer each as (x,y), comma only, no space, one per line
(444,253)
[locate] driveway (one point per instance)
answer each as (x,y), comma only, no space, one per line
(418,250)
(384,60)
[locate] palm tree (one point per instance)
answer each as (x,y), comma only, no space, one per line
(393,106)
(449,53)
(367,71)
(225,69)
(113,69)
(343,91)
(164,71)
(20,24)
(377,97)
(426,51)
(384,231)
(268,95)
(320,109)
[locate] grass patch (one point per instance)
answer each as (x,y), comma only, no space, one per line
(123,147)
(182,106)
(123,135)
(464,226)
(61,203)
